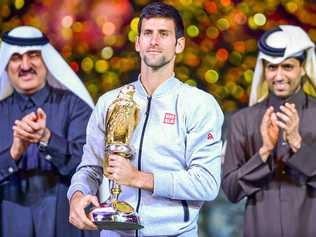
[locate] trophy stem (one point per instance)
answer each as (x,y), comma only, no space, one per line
(115,191)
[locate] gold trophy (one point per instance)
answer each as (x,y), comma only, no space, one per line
(121,120)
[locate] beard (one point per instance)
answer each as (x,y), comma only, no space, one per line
(156,63)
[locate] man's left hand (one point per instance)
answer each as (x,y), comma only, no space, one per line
(288,119)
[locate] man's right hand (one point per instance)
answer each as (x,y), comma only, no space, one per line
(30,129)
(77,215)
(269,133)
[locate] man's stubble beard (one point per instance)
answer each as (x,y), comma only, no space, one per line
(290,92)
(162,61)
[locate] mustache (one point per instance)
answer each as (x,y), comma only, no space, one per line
(23,72)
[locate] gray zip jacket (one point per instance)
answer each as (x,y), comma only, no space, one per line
(178,140)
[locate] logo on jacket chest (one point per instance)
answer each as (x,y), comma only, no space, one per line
(169,118)
(210,136)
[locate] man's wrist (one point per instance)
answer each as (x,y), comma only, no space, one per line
(295,144)
(17,150)
(76,195)
(144,180)
(43,143)
(264,153)
(46,135)
(15,155)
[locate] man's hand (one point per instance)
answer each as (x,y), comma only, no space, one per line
(32,128)
(288,120)
(77,215)
(123,172)
(269,133)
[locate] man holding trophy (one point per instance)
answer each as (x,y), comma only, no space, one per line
(158,148)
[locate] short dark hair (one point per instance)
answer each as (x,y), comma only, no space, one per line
(160,9)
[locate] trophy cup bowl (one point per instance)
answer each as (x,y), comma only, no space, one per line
(121,120)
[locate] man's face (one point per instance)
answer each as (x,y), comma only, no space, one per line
(284,79)
(27,72)
(157,43)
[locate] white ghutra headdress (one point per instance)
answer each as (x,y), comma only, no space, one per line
(60,75)
(275,46)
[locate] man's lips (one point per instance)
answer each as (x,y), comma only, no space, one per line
(154,51)
(26,76)
(280,86)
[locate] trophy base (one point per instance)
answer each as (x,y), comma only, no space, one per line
(107,217)
(110,225)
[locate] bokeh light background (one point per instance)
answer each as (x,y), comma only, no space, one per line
(97,39)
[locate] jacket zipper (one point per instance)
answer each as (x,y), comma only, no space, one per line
(185,206)
(140,152)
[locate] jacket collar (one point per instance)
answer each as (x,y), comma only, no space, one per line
(165,88)
(299,99)
(37,99)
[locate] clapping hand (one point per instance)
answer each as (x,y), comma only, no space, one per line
(288,119)
(30,129)
(269,132)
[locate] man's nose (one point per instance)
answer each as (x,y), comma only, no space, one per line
(26,63)
(154,39)
(279,73)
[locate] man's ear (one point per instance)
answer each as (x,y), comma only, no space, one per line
(180,45)
(137,44)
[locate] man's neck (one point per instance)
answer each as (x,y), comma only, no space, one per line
(32,91)
(153,78)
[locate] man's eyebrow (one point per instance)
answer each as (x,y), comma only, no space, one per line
(270,64)
(16,54)
(33,51)
(160,30)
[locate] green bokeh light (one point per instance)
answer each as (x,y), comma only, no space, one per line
(248,74)
(211,76)
(235,58)
(87,64)
(193,31)
(107,52)
(259,19)
(134,24)
(223,24)
(132,36)
(19,4)
(101,66)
